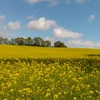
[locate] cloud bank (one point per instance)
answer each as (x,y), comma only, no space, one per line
(41,24)
(51,2)
(64,33)
(14,25)
(2,17)
(83,43)
(78,1)
(4,32)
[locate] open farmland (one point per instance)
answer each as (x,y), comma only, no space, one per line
(36,73)
(10,51)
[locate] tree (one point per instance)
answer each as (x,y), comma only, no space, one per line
(13,41)
(48,43)
(1,40)
(59,44)
(38,41)
(6,41)
(29,41)
(63,45)
(20,41)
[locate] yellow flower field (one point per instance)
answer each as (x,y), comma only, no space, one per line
(12,51)
(33,73)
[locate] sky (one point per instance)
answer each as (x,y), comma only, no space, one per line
(74,22)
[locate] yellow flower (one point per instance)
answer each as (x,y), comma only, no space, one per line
(48,94)
(11,90)
(88,86)
(48,90)
(4,99)
(17,99)
(91,92)
(65,92)
(45,80)
(56,96)
(8,84)
(74,98)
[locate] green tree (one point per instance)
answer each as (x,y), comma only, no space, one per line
(38,41)
(59,44)
(29,41)
(1,40)
(6,41)
(48,43)
(20,41)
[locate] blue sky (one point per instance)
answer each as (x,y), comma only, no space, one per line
(74,22)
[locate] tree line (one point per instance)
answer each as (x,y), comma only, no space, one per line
(37,41)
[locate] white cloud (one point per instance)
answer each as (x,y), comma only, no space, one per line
(78,1)
(41,24)
(5,33)
(82,1)
(91,18)
(64,33)
(14,25)
(83,43)
(2,17)
(55,2)
(34,1)
(51,2)
(3,30)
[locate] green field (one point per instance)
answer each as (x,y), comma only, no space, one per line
(36,73)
